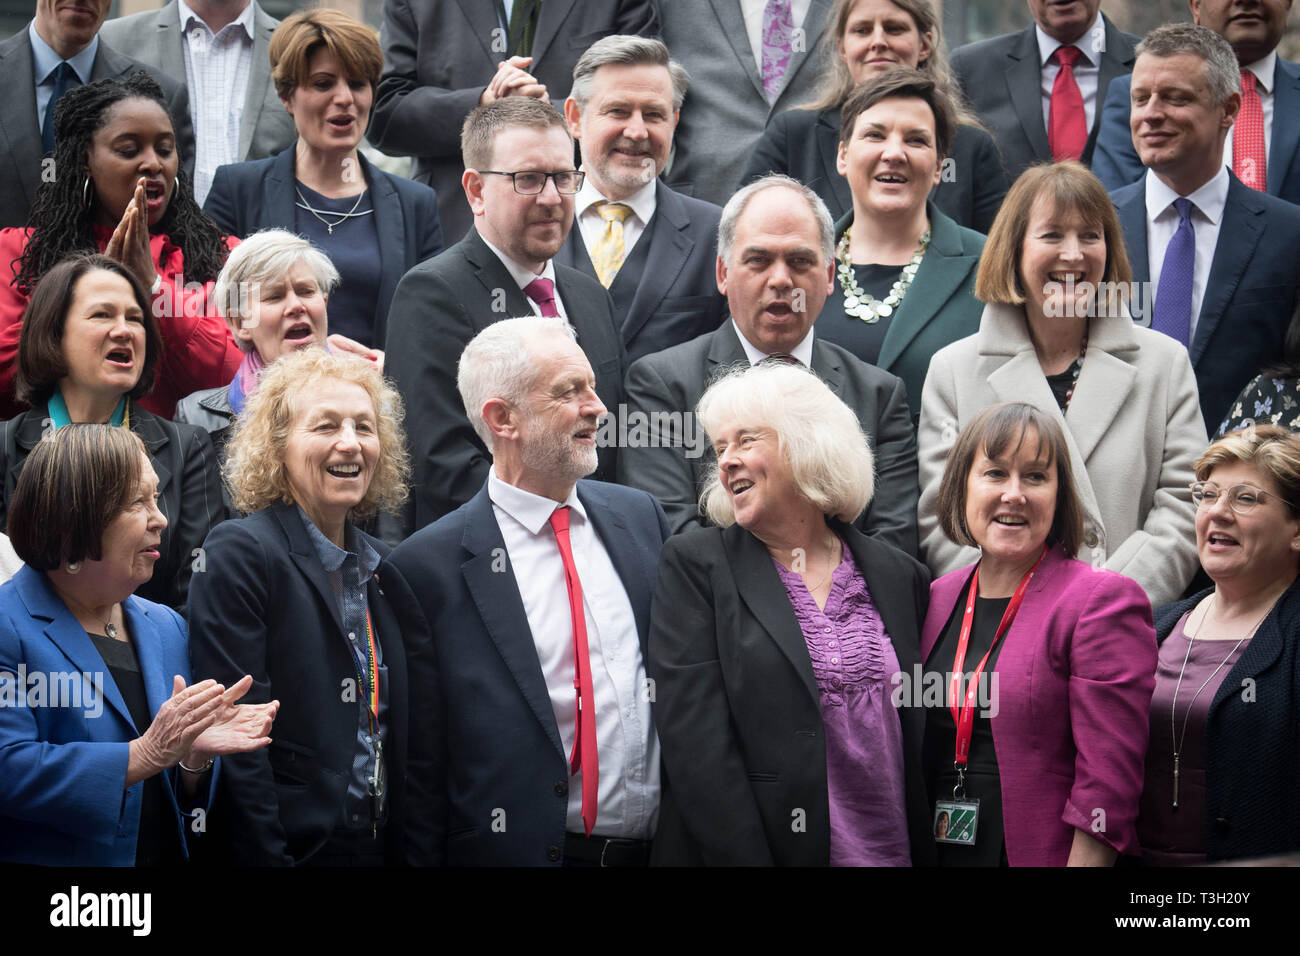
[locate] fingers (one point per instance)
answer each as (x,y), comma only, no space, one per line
(178,684)
(236,691)
(536,90)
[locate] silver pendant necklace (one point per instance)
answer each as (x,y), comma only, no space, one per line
(862,304)
(343,217)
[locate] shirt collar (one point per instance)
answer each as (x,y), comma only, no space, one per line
(1091,45)
(530,510)
(642,201)
(332,556)
(1264,70)
(802,351)
(46,61)
(521,274)
(1210,199)
(244,20)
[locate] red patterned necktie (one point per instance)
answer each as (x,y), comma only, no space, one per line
(542,291)
(1248,159)
(584,756)
(1067,127)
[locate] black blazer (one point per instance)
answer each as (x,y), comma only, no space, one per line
(495,742)
(1250,294)
(1001,78)
(677,297)
(264,606)
(674,466)
(259,194)
(21,149)
(737,704)
(189,482)
(1252,736)
(805,145)
(438,307)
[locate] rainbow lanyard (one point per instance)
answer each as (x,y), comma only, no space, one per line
(371,664)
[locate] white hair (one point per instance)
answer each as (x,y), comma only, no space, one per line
(266,256)
(498,363)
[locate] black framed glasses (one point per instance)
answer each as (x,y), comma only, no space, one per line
(530,182)
(1241,498)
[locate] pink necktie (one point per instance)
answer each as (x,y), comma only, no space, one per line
(1248,160)
(584,756)
(542,291)
(1067,127)
(777,43)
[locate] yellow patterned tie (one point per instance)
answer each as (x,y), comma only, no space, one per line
(607,256)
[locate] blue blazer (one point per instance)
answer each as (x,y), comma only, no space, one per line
(63,794)
(494,739)
(259,194)
(1249,296)
(1116,161)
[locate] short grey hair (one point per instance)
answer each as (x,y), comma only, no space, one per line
(498,363)
(625,50)
(818,436)
(266,256)
(736,205)
(1222,71)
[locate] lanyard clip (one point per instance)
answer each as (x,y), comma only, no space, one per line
(959,791)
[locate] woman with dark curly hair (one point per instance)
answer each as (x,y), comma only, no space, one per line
(120,190)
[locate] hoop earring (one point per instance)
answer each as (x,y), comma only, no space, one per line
(73,567)
(85,193)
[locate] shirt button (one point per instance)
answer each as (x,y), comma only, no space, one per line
(835,660)
(834,644)
(354,818)
(553,853)
(352,635)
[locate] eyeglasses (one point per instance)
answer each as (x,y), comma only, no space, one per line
(531,182)
(1241,498)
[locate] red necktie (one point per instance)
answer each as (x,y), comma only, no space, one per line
(584,756)
(1248,160)
(1067,127)
(542,291)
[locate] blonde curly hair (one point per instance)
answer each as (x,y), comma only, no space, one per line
(254,471)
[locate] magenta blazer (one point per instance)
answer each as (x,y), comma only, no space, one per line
(1074,682)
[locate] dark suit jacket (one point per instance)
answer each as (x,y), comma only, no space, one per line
(738,708)
(1001,78)
(264,606)
(677,297)
(495,742)
(1116,161)
(154,36)
(805,145)
(439,306)
(940,306)
(673,381)
(1252,735)
(21,150)
(440,55)
(259,194)
(1250,294)
(189,482)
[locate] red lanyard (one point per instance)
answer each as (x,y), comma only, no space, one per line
(964,716)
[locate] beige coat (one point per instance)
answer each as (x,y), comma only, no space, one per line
(1134,429)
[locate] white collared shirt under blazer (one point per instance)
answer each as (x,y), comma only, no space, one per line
(1133,428)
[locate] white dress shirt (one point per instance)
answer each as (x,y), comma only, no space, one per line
(628,795)
(216,75)
(802,351)
(1208,204)
(1087,69)
(592,226)
(1263,70)
(752,11)
(524,275)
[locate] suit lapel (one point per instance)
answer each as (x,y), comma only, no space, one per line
(548,26)
(148,649)
(802,53)
(827,134)
(255,100)
(636,569)
(482,17)
(670,247)
(830,370)
(761,589)
(1023,78)
(733,28)
(501,609)
(391,230)
(1133,220)
(1286,135)
(155,440)
(1111,66)
(725,350)
(280,194)
(1103,387)
(18,113)
(308,561)
(490,271)
(167,36)
(892,603)
(1239,233)
(1261,653)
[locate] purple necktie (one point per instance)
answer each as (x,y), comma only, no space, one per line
(542,291)
(1174,298)
(778,32)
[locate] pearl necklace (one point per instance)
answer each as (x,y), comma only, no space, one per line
(863,305)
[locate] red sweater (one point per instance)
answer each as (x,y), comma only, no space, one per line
(198,349)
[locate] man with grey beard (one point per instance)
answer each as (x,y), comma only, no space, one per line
(536,594)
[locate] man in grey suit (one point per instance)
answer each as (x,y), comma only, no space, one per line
(218,47)
(651,247)
(776,267)
(736,90)
(442,58)
(1024,89)
(31,61)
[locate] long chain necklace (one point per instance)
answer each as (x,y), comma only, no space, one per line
(831,565)
(1180,738)
(862,304)
(329,226)
(1075,367)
